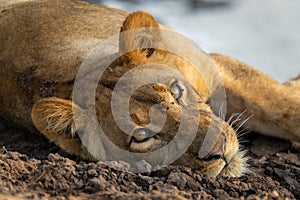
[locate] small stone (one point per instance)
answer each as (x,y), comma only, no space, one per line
(13,155)
(97,183)
(171,189)
(92,172)
(177,179)
(52,157)
(274,194)
(143,166)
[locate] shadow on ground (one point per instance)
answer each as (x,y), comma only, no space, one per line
(31,168)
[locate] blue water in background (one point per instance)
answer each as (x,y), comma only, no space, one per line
(262,33)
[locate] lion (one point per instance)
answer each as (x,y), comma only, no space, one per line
(43,45)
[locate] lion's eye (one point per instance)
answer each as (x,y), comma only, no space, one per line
(140,135)
(176,91)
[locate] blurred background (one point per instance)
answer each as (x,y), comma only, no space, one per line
(262,33)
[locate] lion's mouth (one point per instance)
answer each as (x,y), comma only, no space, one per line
(236,166)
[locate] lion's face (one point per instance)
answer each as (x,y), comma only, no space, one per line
(223,159)
(166,112)
(179,101)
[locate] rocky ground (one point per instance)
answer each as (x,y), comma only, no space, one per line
(31,168)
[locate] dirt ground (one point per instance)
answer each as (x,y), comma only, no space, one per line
(31,168)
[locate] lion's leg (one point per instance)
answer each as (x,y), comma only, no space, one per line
(275,107)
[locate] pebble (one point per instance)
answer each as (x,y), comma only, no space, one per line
(92,172)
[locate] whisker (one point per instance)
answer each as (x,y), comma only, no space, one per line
(231,118)
(238,118)
(241,124)
(243,131)
(242,137)
(243,141)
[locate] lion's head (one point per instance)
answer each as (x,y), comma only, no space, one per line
(167,102)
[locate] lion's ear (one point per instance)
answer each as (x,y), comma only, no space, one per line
(140,36)
(54,117)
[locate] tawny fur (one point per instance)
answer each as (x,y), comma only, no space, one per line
(294,84)
(44,42)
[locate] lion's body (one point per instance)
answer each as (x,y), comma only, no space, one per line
(294,84)
(40,55)
(273,105)
(43,44)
